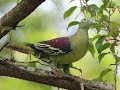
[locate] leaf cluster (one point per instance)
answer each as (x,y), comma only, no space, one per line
(107,32)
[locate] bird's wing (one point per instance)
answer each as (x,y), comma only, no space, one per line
(55,46)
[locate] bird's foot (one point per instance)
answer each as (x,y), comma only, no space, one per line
(55,72)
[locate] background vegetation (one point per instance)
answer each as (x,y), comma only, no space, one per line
(47,22)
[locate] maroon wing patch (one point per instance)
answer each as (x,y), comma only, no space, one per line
(55,46)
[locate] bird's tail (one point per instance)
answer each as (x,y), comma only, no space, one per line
(22,49)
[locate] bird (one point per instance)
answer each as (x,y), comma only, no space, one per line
(63,51)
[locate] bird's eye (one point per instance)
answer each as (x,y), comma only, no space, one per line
(85,19)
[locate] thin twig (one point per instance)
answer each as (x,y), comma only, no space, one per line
(81,2)
(56,4)
(4,46)
(116,62)
(115,74)
(11,55)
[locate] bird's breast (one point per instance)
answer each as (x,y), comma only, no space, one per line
(79,48)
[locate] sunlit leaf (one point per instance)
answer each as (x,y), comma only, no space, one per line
(104,72)
(115,25)
(91,49)
(112,5)
(112,48)
(101,56)
(104,46)
(89,9)
(92,12)
(105,3)
(104,17)
(117,59)
(94,38)
(98,26)
(73,23)
(99,79)
(94,7)
(69,12)
(83,9)
(114,33)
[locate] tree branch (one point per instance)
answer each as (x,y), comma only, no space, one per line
(10,69)
(22,49)
(18,13)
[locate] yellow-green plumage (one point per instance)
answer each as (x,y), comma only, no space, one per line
(79,45)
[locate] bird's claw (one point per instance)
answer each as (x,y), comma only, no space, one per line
(55,72)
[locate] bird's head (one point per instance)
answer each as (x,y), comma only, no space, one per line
(86,23)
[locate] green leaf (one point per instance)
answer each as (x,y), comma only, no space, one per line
(99,79)
(115,31)
(103,47)
(100,57)
(69,12)
(112,48)
(105,3)
(117,59)
(104,72)
(90,9)
(94,38)
(92,12)
(83,9)
(98,26)
(73,23)
(99,43)
(94,7)
(104,17)
(112,5)
(91,49)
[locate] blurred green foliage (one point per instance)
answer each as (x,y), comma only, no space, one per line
(16,84)
(43,25)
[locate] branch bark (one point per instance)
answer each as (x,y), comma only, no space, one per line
(10,69)
(18,13)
